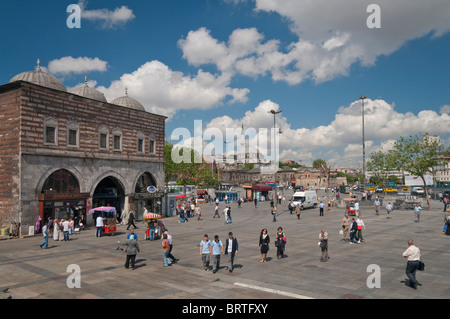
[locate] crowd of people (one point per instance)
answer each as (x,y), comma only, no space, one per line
(211,250)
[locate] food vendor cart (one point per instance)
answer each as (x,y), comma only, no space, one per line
(158,223)
(109,214)
(350,206)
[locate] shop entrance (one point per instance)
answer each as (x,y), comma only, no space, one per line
(60,197)
(109,192)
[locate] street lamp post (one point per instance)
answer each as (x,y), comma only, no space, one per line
(362,98)
(275,189)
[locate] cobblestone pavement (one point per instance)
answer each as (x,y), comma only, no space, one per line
(28,272)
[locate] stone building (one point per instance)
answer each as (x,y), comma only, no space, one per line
(63,153)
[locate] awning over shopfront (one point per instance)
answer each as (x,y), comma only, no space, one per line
(262,188)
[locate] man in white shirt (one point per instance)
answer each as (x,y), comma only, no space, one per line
(225,212)
(417,209)
(357,208)
(99,226)
(413,255)
(389,209)
(66,225)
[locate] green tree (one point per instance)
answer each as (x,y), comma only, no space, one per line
(418,154)
(381,164)
(191,170)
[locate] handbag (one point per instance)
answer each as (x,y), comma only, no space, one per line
(421,266)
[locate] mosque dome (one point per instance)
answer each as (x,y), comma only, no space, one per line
(88,92)
(40,78)
(128,102)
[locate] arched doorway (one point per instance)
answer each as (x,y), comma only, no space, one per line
(109,192)
(60,197)
(146,196)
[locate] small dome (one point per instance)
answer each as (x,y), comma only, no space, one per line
(128,102)
(88,92)
(40,78)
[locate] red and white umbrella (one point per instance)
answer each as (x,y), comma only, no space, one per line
(151,216)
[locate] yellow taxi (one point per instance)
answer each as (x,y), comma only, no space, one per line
(391,190)
(370,189)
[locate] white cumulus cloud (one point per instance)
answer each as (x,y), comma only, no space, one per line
(80,65)
(108,18)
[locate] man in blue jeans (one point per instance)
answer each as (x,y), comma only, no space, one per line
(353,232)
(216,251)
(45,233)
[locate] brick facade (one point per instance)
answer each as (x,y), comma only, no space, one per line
(27,159)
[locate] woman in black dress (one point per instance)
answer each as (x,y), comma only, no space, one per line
(280,243)
(264,241)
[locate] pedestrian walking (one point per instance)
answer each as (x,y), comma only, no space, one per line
(280,242)
(417,210)
(45,234)
(354,232)
(131,220)
(256,202)
(166,251)
(215,252)
(291,206)
(50,226)
(99,226)
(198,212)
(132,248)
(298,211)
(377,205)
(231,250)
(345,226)
(361,227)
(357,208)
(66,226)
(323,244)
(389,209)
(230,221)
(205,250)
(274,213)
(170,240)
(216,211)
(321,206)
(412,254)
(264,241)
(56,230)
(225,213)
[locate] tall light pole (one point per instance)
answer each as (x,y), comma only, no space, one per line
(275,189)
(362,98)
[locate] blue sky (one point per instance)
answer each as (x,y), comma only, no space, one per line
(226,62)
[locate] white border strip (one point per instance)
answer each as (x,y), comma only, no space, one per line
(273,291)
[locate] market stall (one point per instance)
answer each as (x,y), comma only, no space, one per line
(153,220)
(109,215)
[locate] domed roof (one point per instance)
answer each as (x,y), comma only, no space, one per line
(89,92)
(128,102)
(40,78)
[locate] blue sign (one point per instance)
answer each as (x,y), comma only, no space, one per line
(151,189)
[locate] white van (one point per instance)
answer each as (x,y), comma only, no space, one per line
(306,199)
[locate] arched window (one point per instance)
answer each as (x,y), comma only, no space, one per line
(144,181)
(61,182)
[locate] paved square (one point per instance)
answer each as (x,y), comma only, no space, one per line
(31,272)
